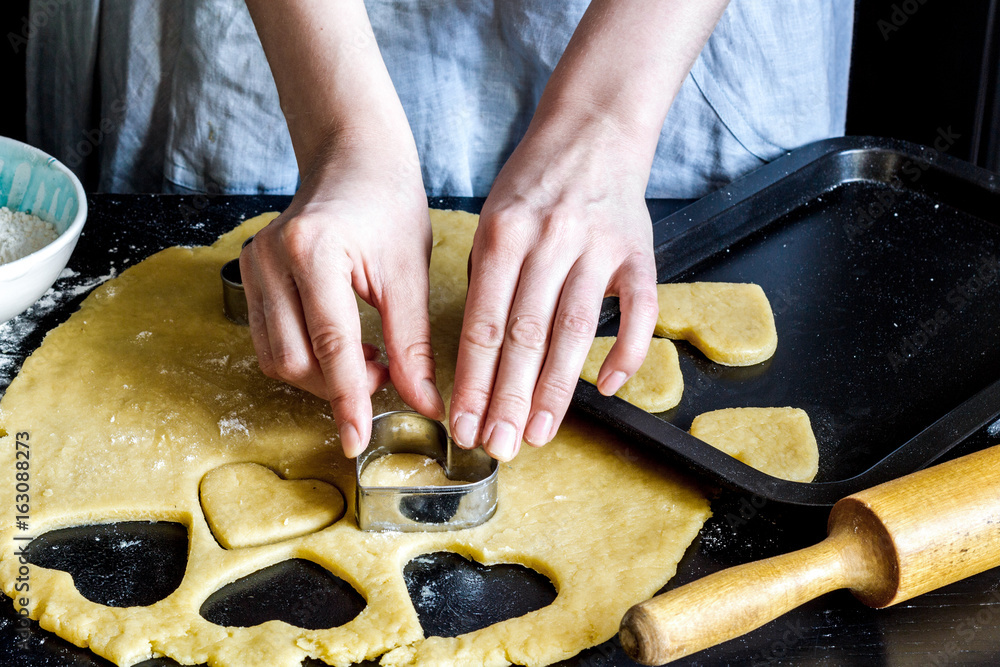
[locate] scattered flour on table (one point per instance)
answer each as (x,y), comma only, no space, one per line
(22,234)
(428,594)
(68,286)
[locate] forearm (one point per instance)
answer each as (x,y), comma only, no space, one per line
(625,64)
(332,82)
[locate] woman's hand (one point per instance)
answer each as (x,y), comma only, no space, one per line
(347,231)
(358,223)
(566,224)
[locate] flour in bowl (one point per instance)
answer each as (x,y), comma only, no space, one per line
(22,234)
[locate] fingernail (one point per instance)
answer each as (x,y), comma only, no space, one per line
(614,383)
(539,426)
(501,444)
(431,392)
(466,427)
(350,440)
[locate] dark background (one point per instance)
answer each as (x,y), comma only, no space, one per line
(937,70)
(918,67)
(12,13)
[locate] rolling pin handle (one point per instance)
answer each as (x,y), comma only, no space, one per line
(729,603)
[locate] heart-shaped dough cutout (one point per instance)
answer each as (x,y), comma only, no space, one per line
(247,505)
(658,384)
(778,441)
(731,323)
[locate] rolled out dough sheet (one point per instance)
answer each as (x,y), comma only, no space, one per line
(778,441)
(148,388)
(657,385)
(731,323)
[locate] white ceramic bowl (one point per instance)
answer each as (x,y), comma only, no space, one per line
(32,181)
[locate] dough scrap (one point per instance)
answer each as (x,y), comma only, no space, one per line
(247,505)
(147,388)
(657,385)
(777,441)
(731,323)
(405,470)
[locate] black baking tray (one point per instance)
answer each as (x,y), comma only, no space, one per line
(880,259)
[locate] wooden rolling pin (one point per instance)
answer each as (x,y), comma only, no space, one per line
(886,544)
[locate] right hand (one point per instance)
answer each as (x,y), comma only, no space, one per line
(358,224)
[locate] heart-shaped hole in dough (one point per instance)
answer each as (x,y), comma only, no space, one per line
(125,564)
(248,505)
(297,591)
(454,595)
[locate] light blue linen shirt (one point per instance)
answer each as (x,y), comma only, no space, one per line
(177,96)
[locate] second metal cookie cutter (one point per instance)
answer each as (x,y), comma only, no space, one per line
(234,298)
(425,508)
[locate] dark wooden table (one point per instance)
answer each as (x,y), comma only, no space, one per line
(957,625)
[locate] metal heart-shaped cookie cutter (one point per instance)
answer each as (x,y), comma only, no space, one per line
(425,508)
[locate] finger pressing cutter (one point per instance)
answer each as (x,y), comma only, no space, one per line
(470,500)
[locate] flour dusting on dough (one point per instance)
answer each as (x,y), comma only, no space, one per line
(231,425)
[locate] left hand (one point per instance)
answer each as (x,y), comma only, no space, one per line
(564,226)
